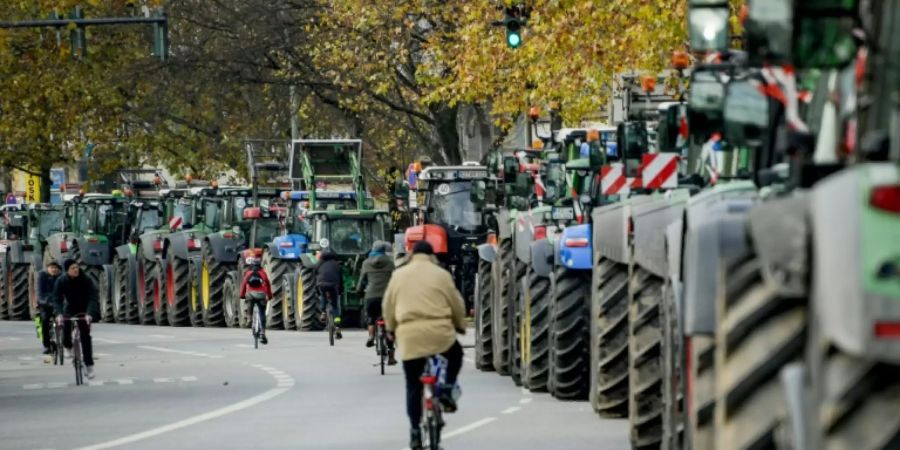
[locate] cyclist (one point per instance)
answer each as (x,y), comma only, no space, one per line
(329,279)
(374,277)
(75,294)
(46,279)
(425,310)
(258,290)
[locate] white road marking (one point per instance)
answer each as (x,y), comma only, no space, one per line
(10,338)
(188,378)
(56,385)
(33,386)
(125,381)
(216,413)
(96,382)
(510,410)
(243,345)
(101,354)
(106,341)
(163,380)
(470,427)
(181,352)
(27,358)
(162,336)
(525,401)
(526,391)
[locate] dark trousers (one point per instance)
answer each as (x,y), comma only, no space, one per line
(87,348)
(46,312)
(413,370)
(329,296)
(261,305)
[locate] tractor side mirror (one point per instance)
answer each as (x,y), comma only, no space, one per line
(252,213)
(478,193)
(746,114)
(708,23)
(706,104)
(631,139)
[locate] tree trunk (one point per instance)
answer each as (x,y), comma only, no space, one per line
(46,183)
(447,132)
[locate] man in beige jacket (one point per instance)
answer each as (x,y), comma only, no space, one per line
(425,311)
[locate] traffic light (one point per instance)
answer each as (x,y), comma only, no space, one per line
(78,35)
(514,23)
(160,38)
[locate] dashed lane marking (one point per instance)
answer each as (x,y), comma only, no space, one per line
(525,401)
(180,352)
(282,387)
(161,336)
(470,427)
(510,410)
(106,341)
(109,382)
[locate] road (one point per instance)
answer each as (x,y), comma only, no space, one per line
(177,388)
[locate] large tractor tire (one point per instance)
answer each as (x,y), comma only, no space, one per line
(288,300)
(160,305)
(212,280)
(673,417)
(308,311)
(570,352)
(147,285)
(195,306)
(236,312)
(757,333)
(483,318)
(33,269)
(503,307)
(857,399)
(701,397)
(4,302)
(178,292)
(276,269)
(609,339)
(104,294)
(645,362)
(520,328)
(17,292)
(536,360)
(125,296)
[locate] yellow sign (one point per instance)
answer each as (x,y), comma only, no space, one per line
(28,185)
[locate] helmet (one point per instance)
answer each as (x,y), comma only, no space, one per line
(378,246)
(387,248)
(251,261)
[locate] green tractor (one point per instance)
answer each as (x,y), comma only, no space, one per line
(350,235)
(96,225)
(24,235)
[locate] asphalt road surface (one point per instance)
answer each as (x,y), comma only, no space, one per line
(178,388)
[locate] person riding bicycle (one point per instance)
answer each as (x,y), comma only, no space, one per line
(329,280)
(46,280)
(374,277)
(425,311)
(257,289)
(75,294)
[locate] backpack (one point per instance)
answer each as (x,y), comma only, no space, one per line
(256,280)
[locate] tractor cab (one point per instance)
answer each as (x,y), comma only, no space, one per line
(45,220)
(100,215)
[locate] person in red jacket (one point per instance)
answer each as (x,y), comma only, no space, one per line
(257,289)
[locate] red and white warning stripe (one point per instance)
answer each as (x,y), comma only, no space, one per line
(660,170)
(613,180)
(175,223)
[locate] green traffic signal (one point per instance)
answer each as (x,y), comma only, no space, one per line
(513,39)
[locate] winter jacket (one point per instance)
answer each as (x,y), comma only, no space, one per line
(266,287)
(45,285)
(328,271)
(77,295)
(375,275)
(423,308)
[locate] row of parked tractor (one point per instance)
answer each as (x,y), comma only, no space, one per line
(724,273)
(174,256)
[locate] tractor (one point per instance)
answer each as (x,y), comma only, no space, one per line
(24,234)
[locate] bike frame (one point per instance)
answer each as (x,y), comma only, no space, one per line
(77,360)
(433,381)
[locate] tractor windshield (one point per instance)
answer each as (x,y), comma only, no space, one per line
(450,204)
(84,217)
(149,220)
(267,230)
(182,210)
(50,222)
(348,236)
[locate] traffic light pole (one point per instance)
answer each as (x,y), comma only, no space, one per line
(159,21)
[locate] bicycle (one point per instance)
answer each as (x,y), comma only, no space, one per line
(381,347)
(56,338)
(77,358)
(434,380)
(256,324)
(330,321)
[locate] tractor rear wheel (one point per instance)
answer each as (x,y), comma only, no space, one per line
(146,280)
(276,269)
(609,346)
(483,318)
(673,417)
(645,363)
(570,355)
(236,312)
(17,292)
(517,328)
(503,308)
(308,310)
(104,294)
(195,306)
(4,302)
(535,365)
(160,305)
(33,269)
(212,279)
(758,333)
(288,301)
(178,292)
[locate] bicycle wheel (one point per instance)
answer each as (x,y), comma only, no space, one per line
(434,438)
(60,349)
(76,359)
(256,326)
(330,326)
(382,348)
